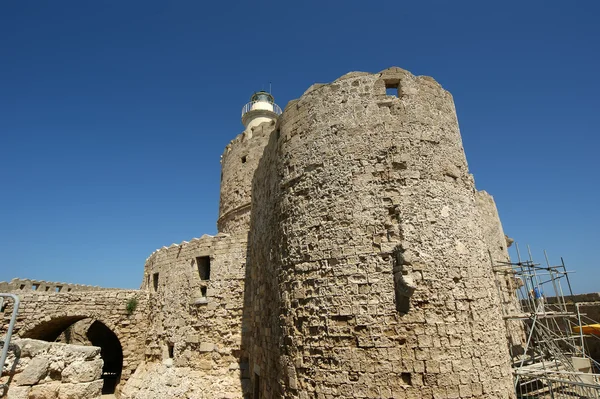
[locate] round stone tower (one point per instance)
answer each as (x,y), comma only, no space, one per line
(368,272)
(239,161)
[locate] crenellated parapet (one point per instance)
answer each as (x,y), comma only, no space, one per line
(24,284)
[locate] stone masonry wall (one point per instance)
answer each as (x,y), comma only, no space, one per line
(194,339)
(44,315)
(238,163)
(369,271)
(44,370)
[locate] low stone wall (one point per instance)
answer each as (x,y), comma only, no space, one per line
(46,370)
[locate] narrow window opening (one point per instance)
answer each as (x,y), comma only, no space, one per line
(203,263)
(256,386)
(68,290)
(22,286)
(47,288)
(171,350)
(155,281)
(35,286)
(203,292)
(403,285)
(244,159)
(58,289)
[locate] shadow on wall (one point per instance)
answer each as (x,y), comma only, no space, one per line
(79,330)
(261,346)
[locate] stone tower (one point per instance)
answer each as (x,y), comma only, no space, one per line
(240,160)
(368,273)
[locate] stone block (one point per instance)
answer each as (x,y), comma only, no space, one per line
(86,390)
(17,392)
(35,371)
(83,371)
(44,391)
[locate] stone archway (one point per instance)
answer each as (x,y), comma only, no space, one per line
(96,333)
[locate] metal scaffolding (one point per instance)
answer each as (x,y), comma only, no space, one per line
(551,361)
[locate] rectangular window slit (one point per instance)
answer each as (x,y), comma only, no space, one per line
(203,292)
(256,386)
(58,289)
(171,351)
(155,281)
(203,263)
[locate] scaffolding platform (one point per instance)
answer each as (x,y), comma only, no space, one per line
(552,361)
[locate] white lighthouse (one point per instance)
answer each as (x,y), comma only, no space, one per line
(261,108)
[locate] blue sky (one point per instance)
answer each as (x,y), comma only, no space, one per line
(113,115)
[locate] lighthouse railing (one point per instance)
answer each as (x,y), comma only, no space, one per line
(248,107)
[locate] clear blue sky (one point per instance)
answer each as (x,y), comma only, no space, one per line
(113,115)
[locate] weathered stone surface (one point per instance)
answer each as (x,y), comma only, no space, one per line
(82,371)
(85,390)
(44,391)
(17,392)
(34,372)
(46,370)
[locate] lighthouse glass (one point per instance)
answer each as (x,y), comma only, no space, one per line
(262,97)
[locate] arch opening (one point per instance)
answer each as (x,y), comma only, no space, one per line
(81,330)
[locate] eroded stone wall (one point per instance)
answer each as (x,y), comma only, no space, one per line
(194,338)
(44,370)
(369,271)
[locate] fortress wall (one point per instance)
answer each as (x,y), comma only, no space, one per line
(238,163)
(369,271)
(192,330)
(25,284)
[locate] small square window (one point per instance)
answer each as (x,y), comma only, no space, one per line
(58,289)
(244,159)
(391,90)
(203,292)
(35,286)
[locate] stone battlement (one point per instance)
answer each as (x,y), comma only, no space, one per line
(25,284)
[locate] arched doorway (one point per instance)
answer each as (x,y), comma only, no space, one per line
(80,330)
